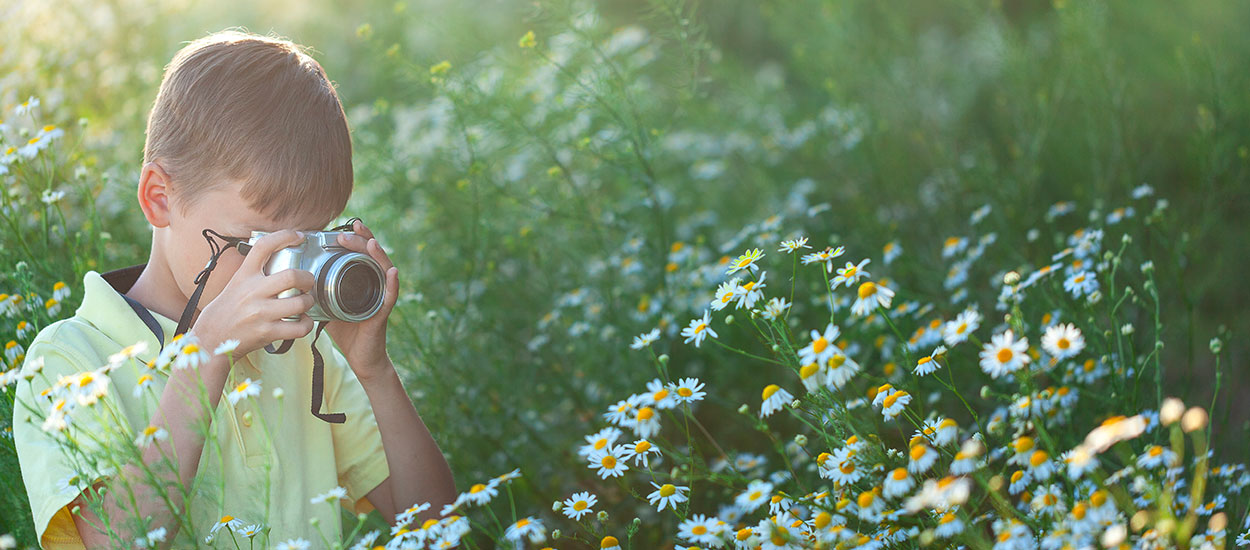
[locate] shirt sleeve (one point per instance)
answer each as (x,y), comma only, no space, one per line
(48,471)
(358,451)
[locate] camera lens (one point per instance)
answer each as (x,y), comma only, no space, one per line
(358,288)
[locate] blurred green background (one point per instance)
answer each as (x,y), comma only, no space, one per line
(511,184)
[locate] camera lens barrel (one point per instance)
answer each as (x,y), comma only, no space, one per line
(350,286)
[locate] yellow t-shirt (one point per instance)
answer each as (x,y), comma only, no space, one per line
(306,456)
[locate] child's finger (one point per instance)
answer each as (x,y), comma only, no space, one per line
(379,255)
(363,230)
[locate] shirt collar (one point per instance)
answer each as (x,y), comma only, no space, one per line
(104,307)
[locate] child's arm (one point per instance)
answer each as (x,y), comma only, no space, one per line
(178,413)
(419,472)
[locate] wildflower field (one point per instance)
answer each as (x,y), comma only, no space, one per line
(774,275)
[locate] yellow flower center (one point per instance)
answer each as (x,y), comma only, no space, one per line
(1063,343)
(477,488)
(770,390)
(1038,458)
(642,446)
(918,452)
(1004,355)
(645,413)
(808,370)
(900,474)
(699,530)
(608,462)
(867,289)
(580,505)
(819,344)
(667,490)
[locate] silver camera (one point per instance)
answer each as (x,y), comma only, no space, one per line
(350,286)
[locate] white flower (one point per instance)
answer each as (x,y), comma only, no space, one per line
(870,295)
(725,294)
(227,521)
(297,544)
(150,434)
(599,440)
(897,483)
(822,347)
(226,347)
(1063,341)
(827,255)
(750,292)
(699,329)
(51,197)
(249,531)
(956,331)
(851,274)
(891,251)
(791,246)
(246,388)
(774,398)
(610,461)
(702,529)
(746,261)
(530,527)
(26,106)
(190,355)
(1004,355)
(775,308)
(894,403)
(928,364)
(689,390)
(667,495)
(645,339)
(641,450)
(579,504)
(331,496)
(1081,283)
(150,539)
(756,493)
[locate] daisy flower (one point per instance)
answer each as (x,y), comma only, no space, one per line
(746,261)
(227,521)
(148,540)
(890,251)
(246,388)
(579,505)
(774,398)
(793,245)
(956,331)
(13,350)
(26,106)
(479,494)
(620,413)
(294,544)
(528,527)
(954,245)
(897,483)
(329,497)
(645,422)
(922,458)
(841,370)
(640,449)
(150,434)
(609,543)
(1004,354)
(821,348)
(869,504)
(90,387)
(226,347)
(599,440)
(827,255)
(946,431)
(645,339)
(661,396)
(754,496)
(699,329)
(966,459)
(702,529)
(127,352)
(689,390)
(750,292)
(894,403)
(249,531)
(929,364)
(851,274)
(667,495)
(190,356)
(725,294)
(775,308)
(1081,283)
(949,525)
(610,462)
(1063,341)
(869,296)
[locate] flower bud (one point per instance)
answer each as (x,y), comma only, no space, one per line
(1011,278)
(556,506)
(278,393)
(1127,329)
(1171,411)
(729,319)
(602,515)
(794,404)
(744,409)
(800,439)
(663,358)
(1147,267)
(555,534)
(314,521)
(1194,419)
(1217,345)
(637,523)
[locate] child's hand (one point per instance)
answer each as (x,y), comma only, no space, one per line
(248,309)
(364,344)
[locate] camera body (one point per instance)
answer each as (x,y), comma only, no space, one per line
(350,286)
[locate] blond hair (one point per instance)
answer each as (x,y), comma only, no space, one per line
(237,106)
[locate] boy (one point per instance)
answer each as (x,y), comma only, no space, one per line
(247,134)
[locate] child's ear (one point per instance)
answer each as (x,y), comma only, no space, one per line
(154,194)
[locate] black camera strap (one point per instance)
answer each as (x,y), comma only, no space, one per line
(201,280)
